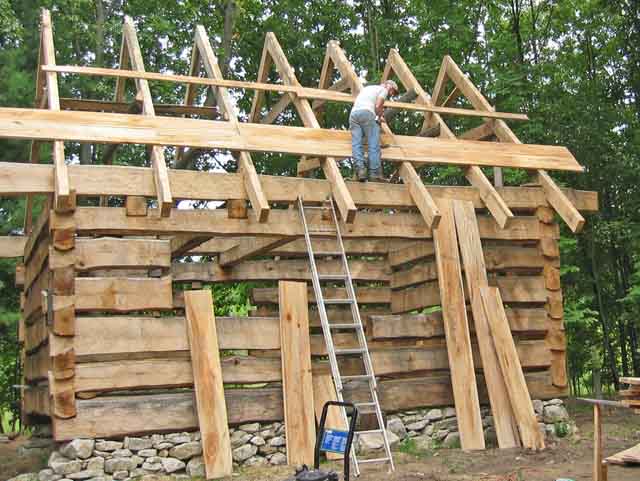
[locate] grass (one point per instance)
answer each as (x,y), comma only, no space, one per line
(410,447)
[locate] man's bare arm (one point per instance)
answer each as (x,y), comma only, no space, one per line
(379,109)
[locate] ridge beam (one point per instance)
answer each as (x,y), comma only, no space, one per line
(161,175)
(346,206)
(245,164)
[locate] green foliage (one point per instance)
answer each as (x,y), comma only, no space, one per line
(409,446)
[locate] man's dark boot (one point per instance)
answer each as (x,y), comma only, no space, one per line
(376,177)
(361,174)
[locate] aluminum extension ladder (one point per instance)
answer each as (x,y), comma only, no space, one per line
(356,327)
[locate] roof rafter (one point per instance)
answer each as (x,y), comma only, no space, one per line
(159,165)
(341,194)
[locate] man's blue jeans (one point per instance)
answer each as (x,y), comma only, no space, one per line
(362,123)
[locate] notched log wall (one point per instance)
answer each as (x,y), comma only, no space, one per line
(106,351)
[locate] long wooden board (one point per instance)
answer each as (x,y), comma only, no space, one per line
(512,373)
(130,415)
(456,328)
(90,254)
(20,178)
(209,391)
(108,128)
(139,369)
(283,269)
(12,246)
(122,294)
(297,383)
(475,272)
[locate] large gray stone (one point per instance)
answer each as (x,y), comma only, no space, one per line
(108,445)
(147,453)
(119,464)
(78,448)
(186,450)
(417,426)
(238,438)
(449,412)
(25,477)
(178,438)
(120,475)
(163,445)
(538,406)
(258,441)
(94,464)
(452,440)
(84,474)
(267,449)
(171,465)
(278,459)
(244,452)
(136,444)
(423,443)
(554,413)
(150,464)
(392,438)
(278,441)
(62,465)
(122,453)
(48,475)
(553,402)
(434,415)
(256,461)
(449,423)
(195,467)
(396,426)
(250,428)
(370,442)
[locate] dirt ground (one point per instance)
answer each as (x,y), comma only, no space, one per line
(568,458)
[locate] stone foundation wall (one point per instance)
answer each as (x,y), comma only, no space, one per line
(180,454)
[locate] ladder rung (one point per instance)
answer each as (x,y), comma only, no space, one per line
(370,431)
(374,460)
(332,277)
(344,326)
(338,301)
(322,231)
(315,207)
(345,352)
(327,253)
(367,404)
(357,377)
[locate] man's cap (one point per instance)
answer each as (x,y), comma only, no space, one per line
(392,84)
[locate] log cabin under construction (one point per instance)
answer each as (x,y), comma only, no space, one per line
(458,287)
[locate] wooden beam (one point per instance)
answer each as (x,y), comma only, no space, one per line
(207,377)
(250,248)
(260,87)
(297,386)
(263,74)
(561,203)
(341,194)
(277,109)
(512,373)
(248,170)
(476,276)
(87,105)
(120,128)
(482,132)
(420,195)
(113,220)
(457,331)
(496,205)
(122,294)
(340,86)
(12,246)
(64,199)
(161,176)
(16,179)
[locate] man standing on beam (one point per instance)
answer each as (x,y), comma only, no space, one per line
(364,121)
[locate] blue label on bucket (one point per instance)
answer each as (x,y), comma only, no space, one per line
(334,441)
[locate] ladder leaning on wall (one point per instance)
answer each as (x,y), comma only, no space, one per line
(361,352)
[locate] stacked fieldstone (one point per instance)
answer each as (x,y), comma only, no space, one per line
(256,444)
(439,427)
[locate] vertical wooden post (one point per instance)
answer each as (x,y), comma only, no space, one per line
(599,469)
(207,379)
(456,329)
(297,383)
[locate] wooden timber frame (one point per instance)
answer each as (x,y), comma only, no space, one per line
(103,324)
